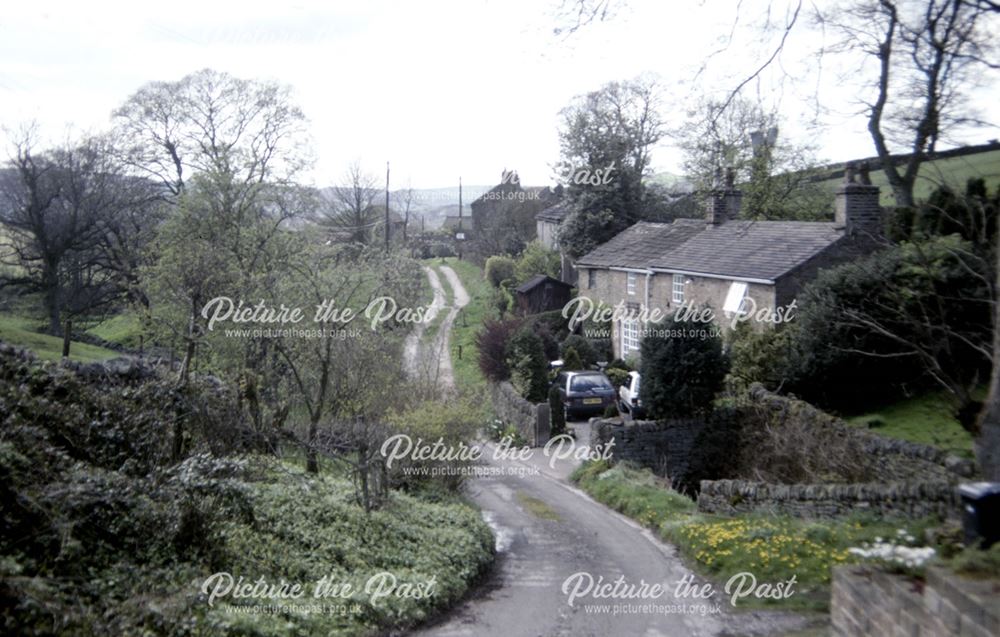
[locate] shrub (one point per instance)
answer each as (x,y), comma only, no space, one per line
(618,377)
(491,344)
(869,330)
(528,366)
(553,321)
(760,356)
(571,360)
(558,415)
(620,364)
(536,259)
(681,374)
(498,268)
(549,343)
(583,349)
(502,299)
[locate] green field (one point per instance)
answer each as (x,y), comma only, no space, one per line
(927,419)
(20,332)
(950,171)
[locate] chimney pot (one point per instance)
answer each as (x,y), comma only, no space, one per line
(857,209)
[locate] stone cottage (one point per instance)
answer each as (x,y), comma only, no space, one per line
(503,218)
(548,223)
(742,270)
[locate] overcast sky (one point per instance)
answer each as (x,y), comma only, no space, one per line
(440,88)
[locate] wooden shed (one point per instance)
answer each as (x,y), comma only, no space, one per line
(542,293)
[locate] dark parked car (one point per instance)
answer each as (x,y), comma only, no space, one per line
(584,393)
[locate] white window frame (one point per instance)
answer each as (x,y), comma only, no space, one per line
(630,278)
(591,278)
(677,288)
(736,298)
(629,329)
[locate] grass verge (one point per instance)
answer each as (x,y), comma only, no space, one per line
(123,329)
(772,548)
(467,323)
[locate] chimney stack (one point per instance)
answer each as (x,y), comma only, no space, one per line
(857,208)
(724,201)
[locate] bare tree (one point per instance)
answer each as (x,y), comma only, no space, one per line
(775,173)
(404,201)
(927,55)
(337,380)
(351,214)
(213,123)
(573,15)
(57,205)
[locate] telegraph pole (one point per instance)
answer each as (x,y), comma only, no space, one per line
(388,228)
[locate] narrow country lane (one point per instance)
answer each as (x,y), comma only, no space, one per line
(547,530)
(430,361)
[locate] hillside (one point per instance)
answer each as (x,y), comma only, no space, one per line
(953,168)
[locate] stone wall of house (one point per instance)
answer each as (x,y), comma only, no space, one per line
(531,420)
(845,250)
(662,446)
(610,287)
(907,500)
(867,601)
(547,233)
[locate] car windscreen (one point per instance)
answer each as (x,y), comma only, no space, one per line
(589,382)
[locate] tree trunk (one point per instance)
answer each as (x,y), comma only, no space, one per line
(312,463)
(987,440)
(52,303)
(182,377)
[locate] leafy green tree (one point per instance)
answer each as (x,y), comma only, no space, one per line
(583,230)
(917,314)
(528,366)
(536,259)
(340,378)
(606,138)
(760,356)
(680,374)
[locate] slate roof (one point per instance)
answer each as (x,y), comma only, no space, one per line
(639,244)
(537,280)
(750,249)
(556,212)
(740,249)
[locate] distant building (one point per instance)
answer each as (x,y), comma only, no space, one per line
(548,223)
(503,218)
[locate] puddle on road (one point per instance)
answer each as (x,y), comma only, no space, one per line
(504,536)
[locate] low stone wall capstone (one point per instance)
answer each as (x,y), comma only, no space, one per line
(912,500)
(867,601)
(530,419)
